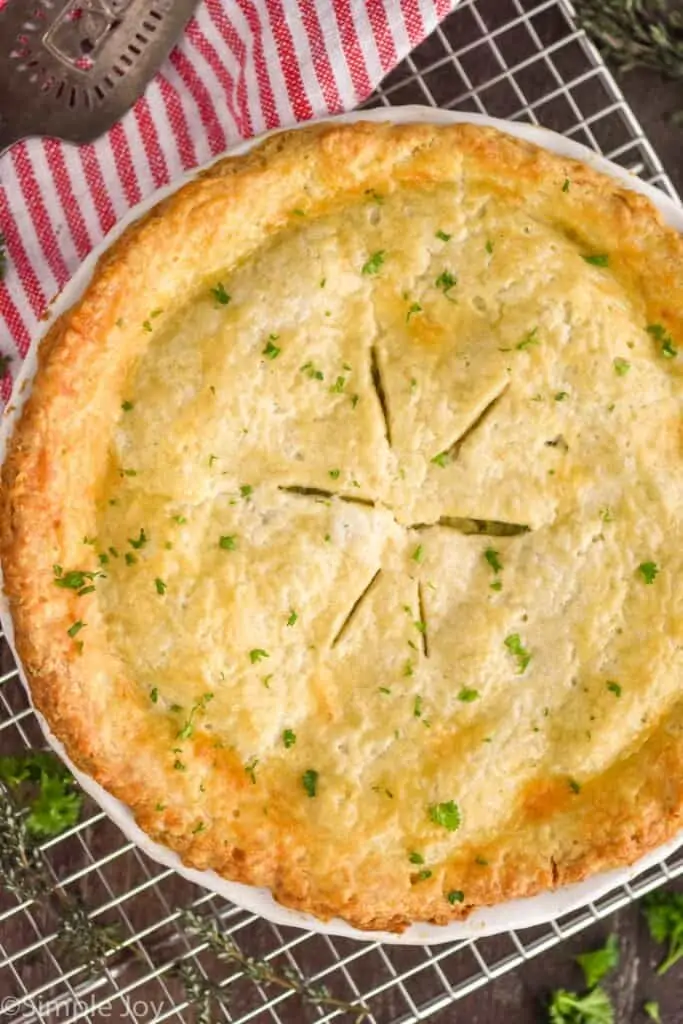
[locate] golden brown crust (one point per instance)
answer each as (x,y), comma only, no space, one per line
(52,480)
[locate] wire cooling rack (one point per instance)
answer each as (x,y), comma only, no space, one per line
(517,59)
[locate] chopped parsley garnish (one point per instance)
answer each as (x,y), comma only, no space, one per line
(649,571)
(606,514)
(374,263)
(467,696)
(188,727)
(140,542)
(565,187)
(228,542)
(212,459)
(146,325)
(74,630)
(660,334)
(246,490)
(496,585)
(127,406)
(385,689)
(416,858)
(288,738)
(442,236)
(423,875)
(250,769)
(420,626)
(597,261)
(130,558)
(446,814)
(199,827)
(597,964)
(441,459)
(414,308)
(310,370)
(334,473)
(257,654)
(418,554)
(621,366)
(220,295)
(664,913)
(291,621)
(76,579)
(529,339)
(129,472)
(570,1008)
(561,396)
(445,281)
(179,766)
(272,351)
(408,668)
(614,688)
(309,780)
(160,585)
(154,694)
(417,707)
(574,786)
(516,648)
(354,401)
(180,520)
(338,386)
(455,896)
(491,556)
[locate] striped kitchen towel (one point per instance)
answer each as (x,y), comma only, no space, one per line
(242,66)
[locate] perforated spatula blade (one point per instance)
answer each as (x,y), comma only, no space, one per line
(71,68)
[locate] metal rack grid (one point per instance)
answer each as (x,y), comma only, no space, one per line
(517,59)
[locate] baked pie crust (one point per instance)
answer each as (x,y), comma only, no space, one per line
(371,441)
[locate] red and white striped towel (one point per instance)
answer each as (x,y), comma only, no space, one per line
(242,66)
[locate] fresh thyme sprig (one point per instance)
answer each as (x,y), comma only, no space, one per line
(636,33)
(226,950)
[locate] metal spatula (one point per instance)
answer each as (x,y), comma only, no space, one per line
(71,68)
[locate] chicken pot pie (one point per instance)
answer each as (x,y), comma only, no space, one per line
(342,527)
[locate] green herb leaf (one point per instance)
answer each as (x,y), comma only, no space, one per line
(257,654)
(664,913)
(160,585)
(597,964)
(140,542)
(446,814)
(597,261)
(154,694)
(338,386)
(288,738)
(334,473)
(417,707)
(529,339)
(75,579)
(418,554)
(292,618)
(621,366)
(250,769)
(271,351)
(574,786)
(445,281)
(467,696)
(309,780)
(127,406)
(489,247)
(660,334)
(220,295)
(442,459)
(423,875)
(516,648)
(565,187)
(442,236)
(374,263)
(494,561)
(651,1010)
(649,571)
(455,896)
(570,1008)
(414,308)
(246,490)
(228,542)
(310,370)
(614,688)
(561,396)
(74,630)
(47,789)
(416,858)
